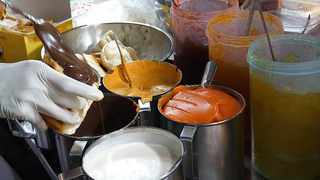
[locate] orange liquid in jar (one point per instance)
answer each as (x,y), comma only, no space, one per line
(286,131)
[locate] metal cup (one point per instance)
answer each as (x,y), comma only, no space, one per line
(117,112)
(146,135)
(213,151)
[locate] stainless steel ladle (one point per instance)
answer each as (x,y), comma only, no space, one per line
(208,74)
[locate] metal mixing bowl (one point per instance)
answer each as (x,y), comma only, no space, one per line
(148,41)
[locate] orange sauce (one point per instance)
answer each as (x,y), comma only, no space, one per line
(286,131)
(200,105)
(148,78)
(254,32)
(124,69)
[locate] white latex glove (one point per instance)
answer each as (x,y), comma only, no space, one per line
(30,87)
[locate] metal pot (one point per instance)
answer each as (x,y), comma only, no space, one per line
(150,137)
(148,41)
(148,110)
(213,151)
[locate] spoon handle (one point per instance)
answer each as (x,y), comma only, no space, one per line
(265,29)
(249,21)
(209,72)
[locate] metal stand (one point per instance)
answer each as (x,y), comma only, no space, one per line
(20,132)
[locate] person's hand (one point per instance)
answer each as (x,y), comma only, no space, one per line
(30,87)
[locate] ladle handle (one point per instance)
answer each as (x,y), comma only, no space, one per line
(208,74)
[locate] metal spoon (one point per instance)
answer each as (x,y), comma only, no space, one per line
(265,29)
(306,26)
(208,74)
(249,22)
(263,22)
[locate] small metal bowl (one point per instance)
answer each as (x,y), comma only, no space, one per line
(148,41)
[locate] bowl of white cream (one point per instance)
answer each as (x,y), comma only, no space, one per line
(136,153)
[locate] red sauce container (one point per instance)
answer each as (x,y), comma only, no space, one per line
(190,20)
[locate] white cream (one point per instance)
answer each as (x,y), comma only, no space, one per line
(132,161)
(9,23)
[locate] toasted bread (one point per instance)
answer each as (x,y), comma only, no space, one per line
(58,125)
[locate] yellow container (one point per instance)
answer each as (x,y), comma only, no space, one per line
(228,46)
(14,47)
(285,109)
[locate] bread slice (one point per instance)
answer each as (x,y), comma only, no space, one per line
(94,62)
(110,55)
(58,125)
(15,25)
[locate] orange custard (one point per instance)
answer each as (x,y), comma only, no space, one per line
(201,105)
(148,78)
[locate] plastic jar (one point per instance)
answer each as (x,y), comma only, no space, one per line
(228,46)
(285,106)
(189,22)
(271,4)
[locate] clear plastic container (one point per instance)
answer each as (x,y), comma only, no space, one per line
(228,46)
(190,41)
(294,13)
(285,106)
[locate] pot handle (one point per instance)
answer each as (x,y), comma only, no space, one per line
(25,129)
(18,133)
(145,114)
(73,173)
(188,162)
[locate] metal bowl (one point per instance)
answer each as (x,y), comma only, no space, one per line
(148,41)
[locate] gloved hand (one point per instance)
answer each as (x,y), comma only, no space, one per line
(30,87)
